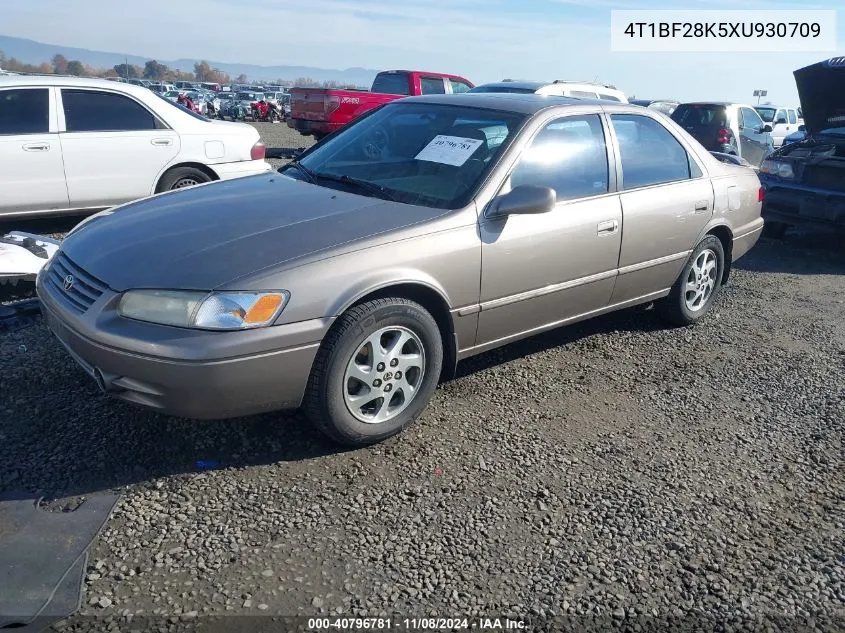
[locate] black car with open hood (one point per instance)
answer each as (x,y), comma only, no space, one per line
(804,182)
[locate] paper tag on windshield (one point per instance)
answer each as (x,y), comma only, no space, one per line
(449,150)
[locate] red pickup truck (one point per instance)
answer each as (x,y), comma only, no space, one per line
(320,111)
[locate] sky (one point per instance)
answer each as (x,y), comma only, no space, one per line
(483,40)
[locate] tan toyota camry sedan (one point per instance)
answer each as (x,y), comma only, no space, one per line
(431,229)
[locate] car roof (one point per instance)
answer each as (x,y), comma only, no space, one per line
(521,103)
(68,80)
(520,85)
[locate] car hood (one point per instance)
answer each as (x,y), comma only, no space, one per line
(203,237)
(821,88)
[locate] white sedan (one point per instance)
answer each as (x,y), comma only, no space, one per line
(77,145)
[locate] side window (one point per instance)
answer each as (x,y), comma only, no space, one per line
(792,118)
(24,111)
(432,86)
(751,119)
(569,155)
(581,93)
(458,86)
(609,97)
(94,111)
(780,117)
(650,154)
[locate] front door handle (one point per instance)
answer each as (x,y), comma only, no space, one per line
(36,147)
(609,226)
(161,142)
(701,206)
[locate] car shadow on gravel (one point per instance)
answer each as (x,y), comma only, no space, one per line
(636,319)
(69,440)
(801,252)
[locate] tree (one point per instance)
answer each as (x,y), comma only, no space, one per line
(154,70)
(126,70)
(241,79)
(75,68)
(306,82)
(60,64)
(202,71)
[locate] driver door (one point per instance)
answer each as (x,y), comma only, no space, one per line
(540,270)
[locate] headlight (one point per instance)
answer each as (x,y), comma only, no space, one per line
(202,310)
(777,168)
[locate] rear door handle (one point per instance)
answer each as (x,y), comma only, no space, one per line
(161,142)
(609,226)
(701,206)
(36,147)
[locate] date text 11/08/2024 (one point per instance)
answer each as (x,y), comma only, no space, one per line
(414,624)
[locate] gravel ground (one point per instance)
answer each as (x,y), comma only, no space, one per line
(614,469)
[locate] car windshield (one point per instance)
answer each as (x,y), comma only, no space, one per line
(417,153)
(246,96)
(509,89)
(767,114)
(700,115)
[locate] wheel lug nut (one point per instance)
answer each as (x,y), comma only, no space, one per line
(377,383)
(398,375)
(388,387)
(394,362)
(380,367)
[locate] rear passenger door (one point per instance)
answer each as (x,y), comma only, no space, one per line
(666,203)
(32,176)
(114,147)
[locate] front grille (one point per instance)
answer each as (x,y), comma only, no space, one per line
(83,290)
(825,177)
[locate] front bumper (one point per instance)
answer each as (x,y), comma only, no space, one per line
(796,204)
(228,171)
(187,373)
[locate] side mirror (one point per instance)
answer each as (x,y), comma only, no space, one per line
(802,128)
(766,128)
(524,200)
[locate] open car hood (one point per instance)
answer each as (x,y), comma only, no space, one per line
(821,88)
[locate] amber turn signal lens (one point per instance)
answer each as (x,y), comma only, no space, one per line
(263,309)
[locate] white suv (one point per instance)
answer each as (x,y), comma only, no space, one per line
(70,144)
(559,88)
(784,121)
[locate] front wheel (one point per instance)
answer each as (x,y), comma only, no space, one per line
(375,372)
(697,286)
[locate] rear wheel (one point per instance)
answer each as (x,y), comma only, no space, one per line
(182,177)
(375,372)
(697,286)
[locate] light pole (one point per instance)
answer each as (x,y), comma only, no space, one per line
(759,94)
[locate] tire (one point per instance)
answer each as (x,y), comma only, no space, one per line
(775,230)
(676,308)
(182,177)
(345,353)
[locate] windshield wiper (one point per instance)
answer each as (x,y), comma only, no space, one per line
(360,184)
(312,177)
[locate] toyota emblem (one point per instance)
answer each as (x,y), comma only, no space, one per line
(68,282)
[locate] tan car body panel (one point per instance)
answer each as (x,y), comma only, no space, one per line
(506,279)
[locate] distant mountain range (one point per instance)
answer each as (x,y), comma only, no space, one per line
(31,52)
